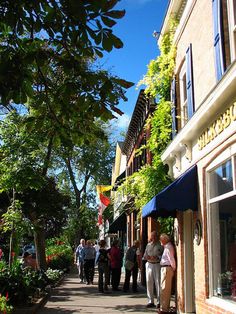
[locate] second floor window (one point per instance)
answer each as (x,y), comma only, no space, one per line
(183,96)
(224,23)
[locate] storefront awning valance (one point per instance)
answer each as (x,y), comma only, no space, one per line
(119,180)
(119,224)
(182,194)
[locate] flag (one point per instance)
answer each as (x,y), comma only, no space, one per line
(103,188)
(104,200)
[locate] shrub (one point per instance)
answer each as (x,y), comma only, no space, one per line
(53,275)
(4,306)
(21,285)
(59,254)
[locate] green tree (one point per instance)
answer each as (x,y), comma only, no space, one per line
(21,176)
(82,168)
(46,37)
(49,79)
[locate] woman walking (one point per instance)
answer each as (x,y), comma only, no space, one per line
(116,264)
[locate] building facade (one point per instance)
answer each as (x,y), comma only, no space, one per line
(204,128)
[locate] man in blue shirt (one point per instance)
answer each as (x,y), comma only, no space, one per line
(79,259)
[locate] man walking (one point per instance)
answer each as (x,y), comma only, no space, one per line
(79,260)
(152,255)
(168,267)
(132,265)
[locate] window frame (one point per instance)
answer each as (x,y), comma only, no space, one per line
(229,153)
(183,100)
(232,28)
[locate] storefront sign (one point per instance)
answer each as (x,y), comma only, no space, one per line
(218,126)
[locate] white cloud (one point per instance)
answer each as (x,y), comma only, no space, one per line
(122,122)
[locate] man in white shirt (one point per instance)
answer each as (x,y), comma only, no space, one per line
(168,267)
(152,255)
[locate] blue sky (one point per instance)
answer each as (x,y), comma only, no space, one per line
(135,29)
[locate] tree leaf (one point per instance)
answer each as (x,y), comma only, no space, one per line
(124,83)
(115,14)
(108,22)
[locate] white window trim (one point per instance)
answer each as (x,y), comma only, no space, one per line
(223,157)
(232,30)
(222,197)
(227,305)
(182,88)
(229,153)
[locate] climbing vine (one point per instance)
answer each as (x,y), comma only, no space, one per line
(151,179)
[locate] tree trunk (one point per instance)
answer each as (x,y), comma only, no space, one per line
(39,240)
(73,181)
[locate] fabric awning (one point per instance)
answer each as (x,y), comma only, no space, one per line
(119,224)
(119,180)
(182,194)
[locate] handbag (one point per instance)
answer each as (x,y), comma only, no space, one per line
(129,265)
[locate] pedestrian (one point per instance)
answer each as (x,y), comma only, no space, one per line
(89,255)
(152,255)
(132,265)
(168,267)
(79,260)
(29,261)
(96,246)
(103,267)
(115,264)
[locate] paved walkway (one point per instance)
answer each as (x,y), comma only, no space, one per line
(72,297)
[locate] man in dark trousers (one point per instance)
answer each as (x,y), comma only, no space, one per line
(132,265)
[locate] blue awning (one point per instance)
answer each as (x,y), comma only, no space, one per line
(182,194)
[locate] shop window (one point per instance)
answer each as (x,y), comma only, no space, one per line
(221,180)
(222,230)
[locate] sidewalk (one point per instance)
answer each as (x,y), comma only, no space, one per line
(72,297)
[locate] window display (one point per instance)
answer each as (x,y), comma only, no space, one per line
(222,232)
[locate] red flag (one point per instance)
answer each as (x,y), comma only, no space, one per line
(99,219)
(104,200)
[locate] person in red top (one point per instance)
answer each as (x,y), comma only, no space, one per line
(115,264)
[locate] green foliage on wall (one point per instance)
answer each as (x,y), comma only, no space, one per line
(160,70)
(151,179)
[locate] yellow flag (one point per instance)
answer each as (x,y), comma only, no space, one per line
(103,188)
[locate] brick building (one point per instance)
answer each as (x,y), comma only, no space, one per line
(202,155)
(127,223)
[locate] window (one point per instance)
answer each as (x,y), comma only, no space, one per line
(232,27)
(221,180)
(183,95)
(222,230)
(224,17)
(185,107)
